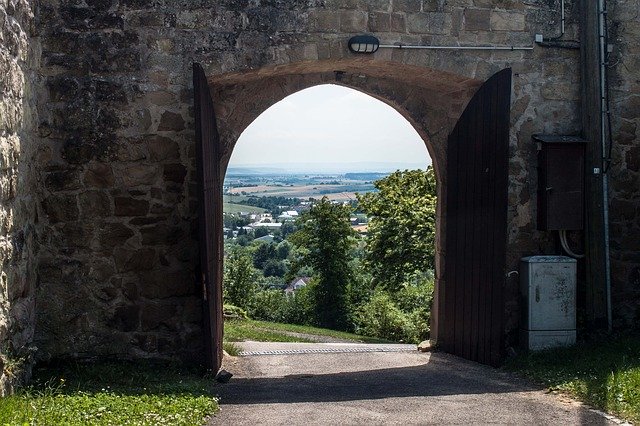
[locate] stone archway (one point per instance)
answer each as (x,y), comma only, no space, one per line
(431,101)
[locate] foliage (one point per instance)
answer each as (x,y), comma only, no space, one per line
(400,316)
(605,374)
(277,306)
(401,228)
(274,268)
(239,278)
(234,311)
(263,253)
(327,236)
(112,394)
(263,331)
(231,348)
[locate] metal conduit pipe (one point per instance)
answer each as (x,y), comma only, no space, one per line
(408,46)
(602,12)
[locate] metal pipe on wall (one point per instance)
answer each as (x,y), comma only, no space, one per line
(602,13)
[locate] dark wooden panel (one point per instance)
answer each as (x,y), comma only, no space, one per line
(209,217)
(476,230)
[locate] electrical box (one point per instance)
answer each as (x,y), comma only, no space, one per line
(548,295)
(560,182)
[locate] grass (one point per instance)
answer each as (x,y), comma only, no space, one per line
(112,394)
(238,330)
(237,208)
(604,374)
(231,348)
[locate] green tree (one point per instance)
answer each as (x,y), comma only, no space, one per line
(274,268)
(327,238)
(264,252)
(402,228)
(239,278)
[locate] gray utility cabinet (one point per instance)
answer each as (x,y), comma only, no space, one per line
(548,295)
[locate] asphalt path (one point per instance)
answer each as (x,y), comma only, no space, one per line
(347,384)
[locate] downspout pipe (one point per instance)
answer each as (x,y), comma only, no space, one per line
(602,13)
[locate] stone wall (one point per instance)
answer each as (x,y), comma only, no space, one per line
(625,166)
(117,215)
(18,189)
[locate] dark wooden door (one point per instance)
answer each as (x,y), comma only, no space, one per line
(210,217)
(476,226)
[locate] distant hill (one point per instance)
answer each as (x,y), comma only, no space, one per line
(365,176)
(321,168)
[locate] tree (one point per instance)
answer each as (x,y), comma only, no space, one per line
(327,238)
(401,233)
(263,253)
(274,268)
(239,278)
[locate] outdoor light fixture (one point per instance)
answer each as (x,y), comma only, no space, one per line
(370,44)
(363,44)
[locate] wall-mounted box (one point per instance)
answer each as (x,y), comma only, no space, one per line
(548,296)
(560,182)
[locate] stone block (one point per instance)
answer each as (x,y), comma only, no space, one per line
(98,175)
(477,20)
(138,174)
(126,206)
(353,21)
(125,318)
(160,234)
(94,204)
(429,23)
(158,315)
(61,208)
(408,6)
(174,173)
(507,21)
(113,235)
(324,20)
(134,260)
(171,121)
(379,22)
(632,158)
(162,284)
(62,180)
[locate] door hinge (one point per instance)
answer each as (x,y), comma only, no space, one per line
(204,287)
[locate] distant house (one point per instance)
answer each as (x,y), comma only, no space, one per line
(266,238)
(288,215)
(297,284)
(265,225)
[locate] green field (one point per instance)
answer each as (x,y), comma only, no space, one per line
(237,208)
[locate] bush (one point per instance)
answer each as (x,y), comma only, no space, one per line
(277,306)
(234,312)
(380,317)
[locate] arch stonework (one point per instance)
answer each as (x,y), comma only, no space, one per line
(103,216)
(116,116)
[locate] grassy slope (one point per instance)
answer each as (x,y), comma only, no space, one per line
(605,374)
(112,394)
(262,331)
(237,208)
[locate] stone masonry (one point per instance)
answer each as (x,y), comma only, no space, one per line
(98,179)
(19,55)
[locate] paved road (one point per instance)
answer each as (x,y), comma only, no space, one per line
(342,385)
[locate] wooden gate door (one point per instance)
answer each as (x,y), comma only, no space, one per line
(210,217)
(476,226)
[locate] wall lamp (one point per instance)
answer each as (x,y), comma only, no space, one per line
(370,44)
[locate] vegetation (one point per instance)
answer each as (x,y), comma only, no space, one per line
(327,238)
(112,394)
(240,277)
(401,228)
(379,285)
(263,331)
(604,374)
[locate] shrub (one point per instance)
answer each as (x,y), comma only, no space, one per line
(380,317)
(234,311)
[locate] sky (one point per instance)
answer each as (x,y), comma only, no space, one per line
(330,125)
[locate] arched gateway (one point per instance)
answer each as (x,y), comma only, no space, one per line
(469,303)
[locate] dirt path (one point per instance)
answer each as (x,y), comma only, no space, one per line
(348,384)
